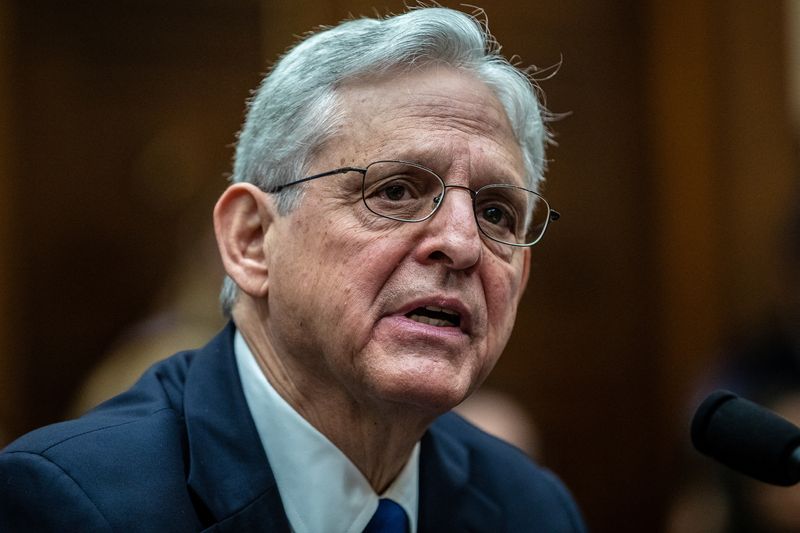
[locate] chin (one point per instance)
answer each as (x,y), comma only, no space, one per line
(428,393)
(428,380)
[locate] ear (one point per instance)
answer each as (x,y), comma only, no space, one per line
(242,217)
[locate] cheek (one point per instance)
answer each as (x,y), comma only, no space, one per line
(367,265)
(503,287)
(350,269)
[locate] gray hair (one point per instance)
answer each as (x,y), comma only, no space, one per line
(295,109)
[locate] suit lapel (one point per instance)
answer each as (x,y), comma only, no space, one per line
(228,471)
(449,499)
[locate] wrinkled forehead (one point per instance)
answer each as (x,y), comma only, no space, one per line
(434,95)
(432,116)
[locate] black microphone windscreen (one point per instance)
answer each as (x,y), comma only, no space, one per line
(748,438)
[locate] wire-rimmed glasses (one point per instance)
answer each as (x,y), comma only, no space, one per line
(409,192)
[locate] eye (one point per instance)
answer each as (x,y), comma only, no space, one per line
(503,212)
(400,190)
(494,215)
(394,191)
(498,216)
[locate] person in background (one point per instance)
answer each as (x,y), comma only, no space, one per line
(501,415)
(377,241)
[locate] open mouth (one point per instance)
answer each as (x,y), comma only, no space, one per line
(435,316)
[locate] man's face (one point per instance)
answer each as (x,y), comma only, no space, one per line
(353,297)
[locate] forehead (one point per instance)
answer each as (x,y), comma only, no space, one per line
(438,116)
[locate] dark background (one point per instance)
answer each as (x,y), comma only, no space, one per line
(675,172)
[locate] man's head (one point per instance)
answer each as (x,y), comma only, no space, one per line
(415,313)
(297,108)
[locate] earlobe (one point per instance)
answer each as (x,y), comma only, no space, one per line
(242,217)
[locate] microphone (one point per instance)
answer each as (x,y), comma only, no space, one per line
(748,438)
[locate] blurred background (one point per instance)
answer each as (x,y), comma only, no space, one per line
(675,265)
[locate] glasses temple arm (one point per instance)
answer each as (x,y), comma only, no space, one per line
(342,170)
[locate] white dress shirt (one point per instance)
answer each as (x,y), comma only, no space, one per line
(321,489)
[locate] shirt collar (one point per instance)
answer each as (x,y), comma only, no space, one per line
(301,458)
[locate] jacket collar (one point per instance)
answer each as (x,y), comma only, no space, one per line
(228,472)
(449,499)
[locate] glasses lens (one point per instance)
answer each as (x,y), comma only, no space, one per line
(401,191)
(511,214)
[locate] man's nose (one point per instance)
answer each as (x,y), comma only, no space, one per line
(452,236)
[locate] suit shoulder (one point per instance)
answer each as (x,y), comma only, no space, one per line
(107,445)
(30,484)
(128,453)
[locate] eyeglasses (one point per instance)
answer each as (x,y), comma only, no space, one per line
(408,192)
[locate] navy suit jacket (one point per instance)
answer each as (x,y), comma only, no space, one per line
(179,452)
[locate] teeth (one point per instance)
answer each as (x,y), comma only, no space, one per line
(441,310)
(431,321)
(445,318)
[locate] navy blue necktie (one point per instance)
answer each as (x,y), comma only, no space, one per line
(389,518)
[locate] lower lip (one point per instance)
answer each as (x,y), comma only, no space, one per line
(402,325)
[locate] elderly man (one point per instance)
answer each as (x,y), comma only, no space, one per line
(377,243)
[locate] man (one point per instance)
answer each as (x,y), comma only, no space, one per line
(377,242)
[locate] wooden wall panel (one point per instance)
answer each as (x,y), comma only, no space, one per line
(8,385)
(682,125)
(757,155)
(725,181)
(791,26)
